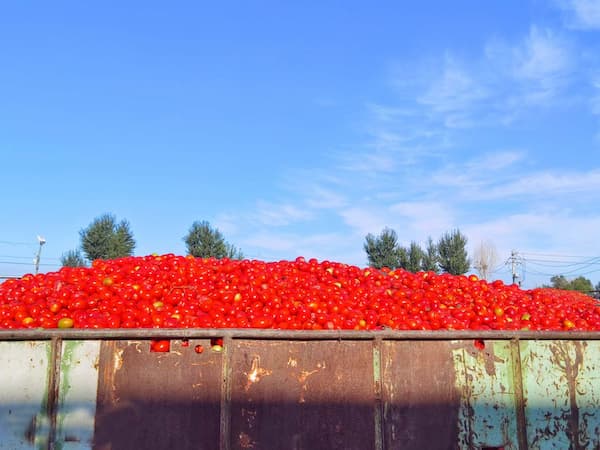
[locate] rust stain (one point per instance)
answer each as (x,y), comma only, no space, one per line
(256,372)
(118,359)
(303,377)
(246,441)
(486,355)
(571,366)
(30,431)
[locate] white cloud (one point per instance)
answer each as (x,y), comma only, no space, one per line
(547,185)
(365,220)
(273,246)
(454,94)
(272,214)
(542,55)
(271,242)
(371,162)
(542,231)
(582,14)
(496,160)
(477,172)
(319,197)
(543,61)
(421,219)
(494,89)
(595,102)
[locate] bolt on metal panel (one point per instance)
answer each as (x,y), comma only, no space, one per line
(23,394)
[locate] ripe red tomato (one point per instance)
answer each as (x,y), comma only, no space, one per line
(160,346)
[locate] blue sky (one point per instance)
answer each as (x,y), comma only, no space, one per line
(296,128)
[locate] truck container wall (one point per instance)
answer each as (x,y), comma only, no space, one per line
(269,389)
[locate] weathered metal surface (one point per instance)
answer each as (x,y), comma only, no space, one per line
(78,383)
(562,388)
(289,335)
(421,401)
(382,390)
(302,395)
(23,394)
(484,376)
(150,400)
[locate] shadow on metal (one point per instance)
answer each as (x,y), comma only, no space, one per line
(285,392)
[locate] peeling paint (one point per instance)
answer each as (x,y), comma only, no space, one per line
(256,372)
(509,394)
(486,415)
(24,370)
(77,396)
(561,380)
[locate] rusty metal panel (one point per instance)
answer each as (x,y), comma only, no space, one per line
(149,400)
(302,395)
(562,386)
(488,404)
(78,382)
(23,394)
(420,398)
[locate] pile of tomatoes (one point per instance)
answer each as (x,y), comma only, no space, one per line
(169,291)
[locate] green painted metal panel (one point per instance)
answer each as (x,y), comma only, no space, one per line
(484,377)
(23,394)
(78,386)
(562,394)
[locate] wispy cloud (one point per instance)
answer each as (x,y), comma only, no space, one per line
(541,231)
(547,184)
(420,219)
(272,214)
(499,177)
(582,14)
(364,219)
(543,62)
(454,95)
(415,168)
(479,171)
(595,102)
(286,245)
(507,78)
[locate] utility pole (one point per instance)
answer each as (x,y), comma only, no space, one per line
(515,261)
(36,260)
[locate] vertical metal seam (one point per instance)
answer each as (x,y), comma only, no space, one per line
(519,392)
(53,389)
(377,407)
(468,401)
(225,413)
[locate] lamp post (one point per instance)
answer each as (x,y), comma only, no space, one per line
(36,261)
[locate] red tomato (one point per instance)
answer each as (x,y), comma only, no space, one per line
(160,346)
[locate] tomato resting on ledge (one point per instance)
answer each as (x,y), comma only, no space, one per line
(169,291)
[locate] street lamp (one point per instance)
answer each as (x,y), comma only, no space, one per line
(36,261)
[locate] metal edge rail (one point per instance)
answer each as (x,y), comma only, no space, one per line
(277,334)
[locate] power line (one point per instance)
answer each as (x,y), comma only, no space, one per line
(27,244)
(515,261)
(27,257)
(27,264)
(555,255)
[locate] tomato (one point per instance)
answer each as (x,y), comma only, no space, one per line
(172,291)
(160,346)
(65,322)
